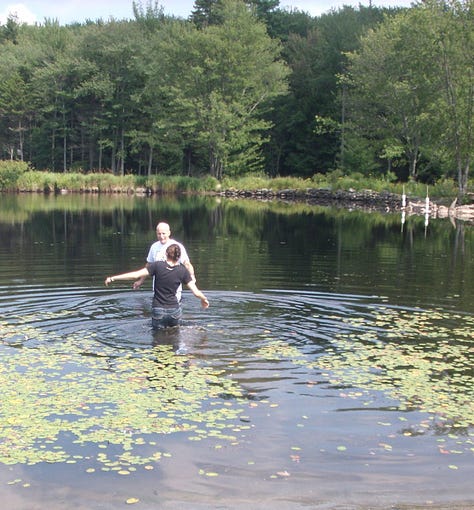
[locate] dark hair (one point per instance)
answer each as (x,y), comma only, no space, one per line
(173,252)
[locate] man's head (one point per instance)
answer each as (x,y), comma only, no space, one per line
(163,232)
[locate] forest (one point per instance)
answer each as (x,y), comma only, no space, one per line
(244,87)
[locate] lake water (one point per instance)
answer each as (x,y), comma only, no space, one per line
(333,369)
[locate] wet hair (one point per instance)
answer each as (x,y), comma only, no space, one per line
(173,252)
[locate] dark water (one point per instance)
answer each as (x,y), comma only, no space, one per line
(332,370)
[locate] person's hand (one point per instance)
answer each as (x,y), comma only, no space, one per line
(138,283)
(108,280)
(204,302)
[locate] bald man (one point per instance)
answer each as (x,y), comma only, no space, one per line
(158,252)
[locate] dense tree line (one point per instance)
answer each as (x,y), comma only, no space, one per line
(244,86)
(412,92)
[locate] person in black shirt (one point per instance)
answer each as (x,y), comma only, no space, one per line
(168,276)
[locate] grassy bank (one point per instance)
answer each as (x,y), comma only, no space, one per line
(16,176)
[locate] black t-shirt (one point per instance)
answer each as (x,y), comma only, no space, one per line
(167,280)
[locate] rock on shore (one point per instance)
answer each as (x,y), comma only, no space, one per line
(367,200)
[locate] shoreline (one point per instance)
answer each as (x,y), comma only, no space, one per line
(365,200)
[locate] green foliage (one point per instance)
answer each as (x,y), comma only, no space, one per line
(10,174)
(243,87)
(179,183)
(42,181)
(335,180)
(307,136)
(36,181)
(155,94)
(212,85)
(412,90)
(445,188)
(259,181)
(9,31)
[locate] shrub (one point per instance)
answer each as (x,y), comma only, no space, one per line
(10,172)
(70,181)
(247,182)
(209,183)
(101,181)
(29,181)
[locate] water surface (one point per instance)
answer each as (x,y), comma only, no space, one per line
(332,370)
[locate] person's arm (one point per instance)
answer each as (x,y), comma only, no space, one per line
(149,259)
(139,282)
(192,287)
(184,259)
(190,268)
(133,275)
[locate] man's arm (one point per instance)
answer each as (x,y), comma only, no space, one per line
(204,301)
(139,282)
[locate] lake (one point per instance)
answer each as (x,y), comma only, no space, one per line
(333,369)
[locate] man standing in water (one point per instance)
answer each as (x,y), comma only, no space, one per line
(158,252)
(168,275)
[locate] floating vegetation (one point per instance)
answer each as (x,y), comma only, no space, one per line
(65,397)
(278,350)
(421,358)
(70,399)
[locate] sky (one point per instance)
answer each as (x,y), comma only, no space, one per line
(70,11)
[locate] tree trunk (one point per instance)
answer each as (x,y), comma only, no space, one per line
(463,176)
(150,161)
(215,166)
(21,139)
(100,158)
(113,162)
(413,162)
(122,153)
(64,143)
